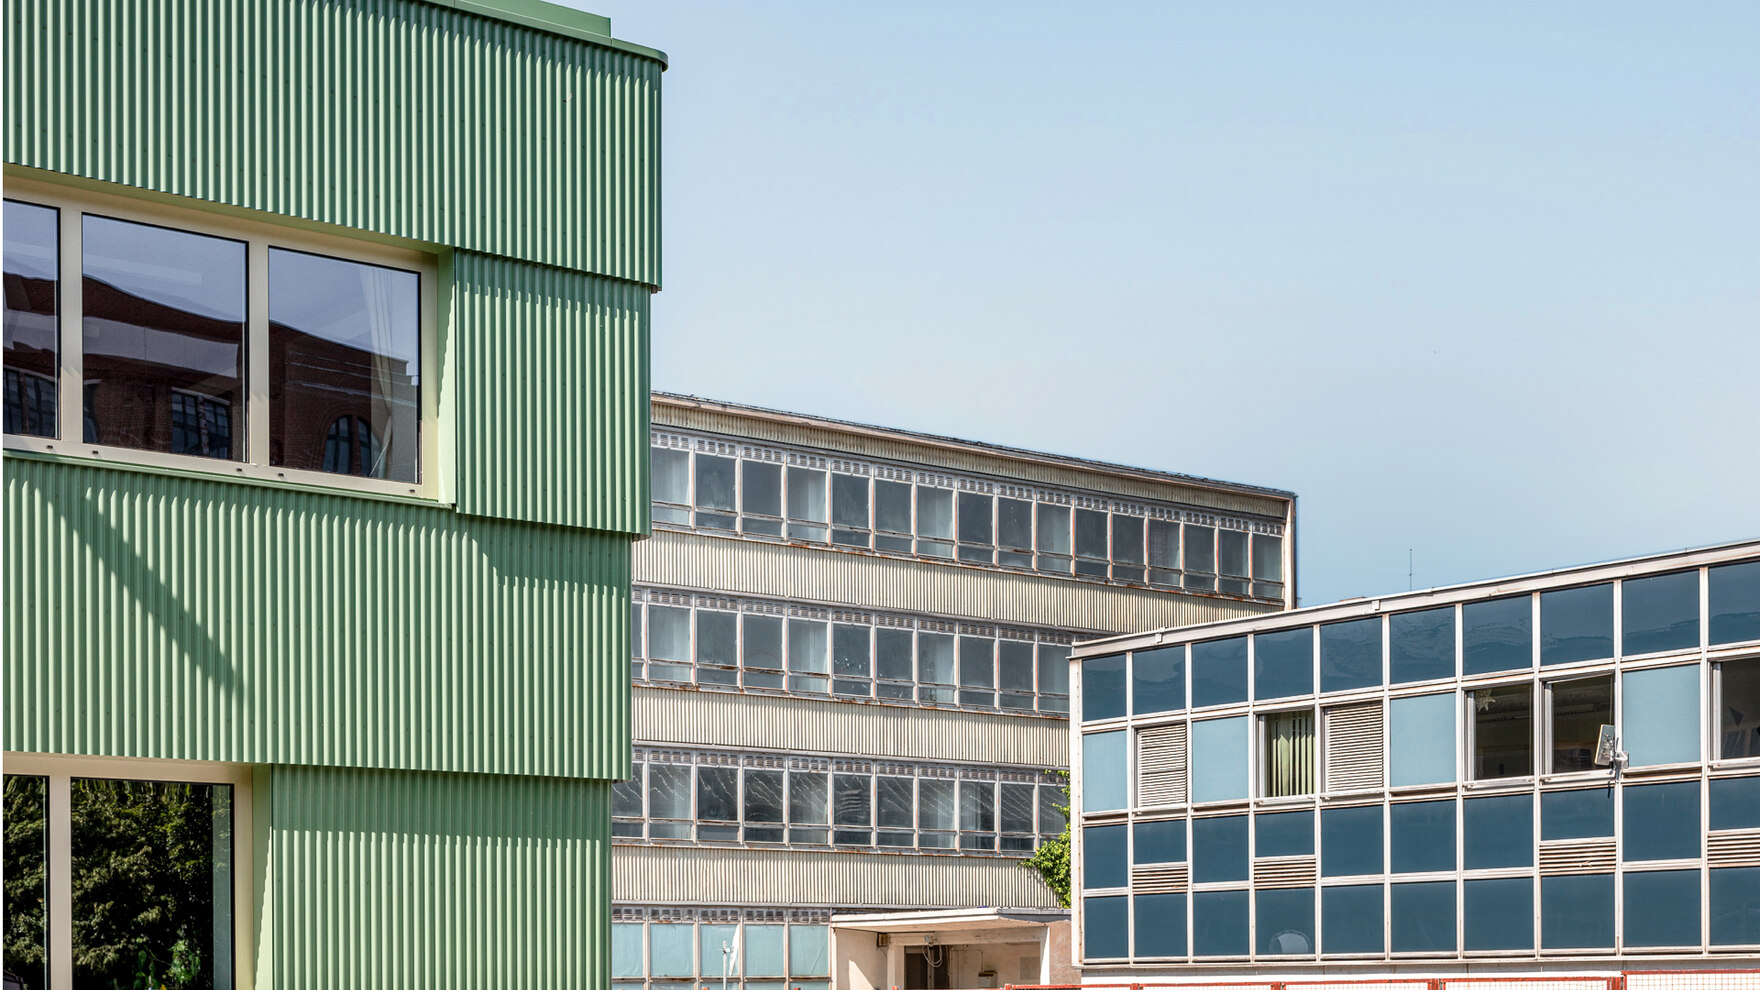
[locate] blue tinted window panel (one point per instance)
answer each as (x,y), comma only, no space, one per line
(1735,906)
(1576,624)
(1422,740)
(1102,688)
(1219,672)
(1106,928)
(1423,917)
(1105,856)
(1659,613)
(1283,663)
(1735,802)
(1353,920)
(1421,836)
(1289,833)
(1219,849)
(1661,822)
(1661,723)
(1103,776)
(1498,832)
(1285,921)
(1158,680)
(1498,914)
(1662,908)
(1576,814)
(1219,923)
(1733,597)
(1497,635)
(1218,762)
(1160,842)
(1350,841)
(1576,912)
(1420,645)
(1161,925)
(1350,655)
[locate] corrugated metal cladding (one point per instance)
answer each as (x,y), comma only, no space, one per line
(558,360)
(787,878)
(186,618)
(393,116)
(387,879)
(912,452)
(720,720)
(736,566)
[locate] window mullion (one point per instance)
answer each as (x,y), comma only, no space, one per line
(59,865)
(256,352)
(70,307)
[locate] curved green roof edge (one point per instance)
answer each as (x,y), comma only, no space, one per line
(556,19)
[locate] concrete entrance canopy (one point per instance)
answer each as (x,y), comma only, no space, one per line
(972,947)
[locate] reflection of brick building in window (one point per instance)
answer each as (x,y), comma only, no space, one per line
(30,355)
(340,408)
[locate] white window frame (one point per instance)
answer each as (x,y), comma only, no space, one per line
(60,771)
(259,237)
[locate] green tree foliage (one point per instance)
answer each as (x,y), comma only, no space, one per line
(1051,859)
(26,817)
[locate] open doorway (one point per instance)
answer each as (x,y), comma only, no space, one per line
(927,968)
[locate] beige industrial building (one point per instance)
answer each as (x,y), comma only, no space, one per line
(850,659)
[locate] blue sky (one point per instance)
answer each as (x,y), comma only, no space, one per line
(1479,281)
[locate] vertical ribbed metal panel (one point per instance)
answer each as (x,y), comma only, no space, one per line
(553,395)
(389,879)
(185,618)
(392,116)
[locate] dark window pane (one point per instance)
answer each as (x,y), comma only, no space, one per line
(1090,533)
(1163,544)
(1105,927)
(893,802)
(1220,923)
(151,864)
(807,798)
(1219,672)
(1503,732)
(33,330)
(763,642)
(717,638)
(1735,906)
(806,495)
(892,506)
(1283,663)
(27,836)
(1661,822)
(974,518)
(1498,832)
(718,794)
(1350,655)
(1200,555)
(1738,725)
(1420,645)
(1660,613)
(1579,709)
(760,488)
(849,501)
(1102,688)
(1576,814)
(1286,921)
(1423,917)
(977,662)
(1285,834)
(763,800)
(1053,530)
(1160,842)
(1350,841)
(935,805)
(1497,635)
(164,315)
(935,513)
(1014,662)
(626,795)
(715,482)
(1127,539)
(1734,600)
(1158,680)
(849,650)
(1662,908)
(1231,553)
(851,803)
(1576,624)
(892,654)
(669,792)
(1735,802)
(1219,849)
(1267,558)
(1104,856)
(1353,920)
(1053,808)
(1422,836)
(1576,912)
(1014,523)
(1015,807)
(1499,914)
(977,806)
(1053,672)
(1161,925)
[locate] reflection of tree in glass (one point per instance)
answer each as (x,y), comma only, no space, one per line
(26,812)
(143,883)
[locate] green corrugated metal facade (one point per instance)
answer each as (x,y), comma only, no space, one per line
(436,693)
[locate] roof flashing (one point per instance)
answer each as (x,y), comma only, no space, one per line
(555,18)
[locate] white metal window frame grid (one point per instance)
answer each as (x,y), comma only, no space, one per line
(61,771)
(1706,657)
(696,919)
(961,776)
(644,599)
(259,237)
(920,478)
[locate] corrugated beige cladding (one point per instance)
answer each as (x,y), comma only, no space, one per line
(179,617)
(384,880)
(856,879)
(735,566)
(404,118)
(720,720)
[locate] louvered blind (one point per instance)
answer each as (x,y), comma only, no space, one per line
(1353,746)
(1576,856)
(1161,765)
(1735,848)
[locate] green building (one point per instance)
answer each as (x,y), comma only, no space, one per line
(326,439)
